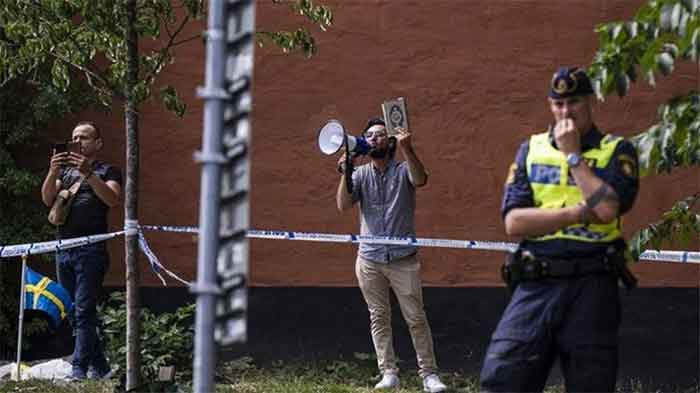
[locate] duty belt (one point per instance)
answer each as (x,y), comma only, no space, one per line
(523,266)
(535,269)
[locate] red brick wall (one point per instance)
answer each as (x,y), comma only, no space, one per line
(475,74)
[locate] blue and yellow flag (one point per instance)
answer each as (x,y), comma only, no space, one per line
(45,295)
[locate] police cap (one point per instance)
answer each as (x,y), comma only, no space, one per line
(569,82)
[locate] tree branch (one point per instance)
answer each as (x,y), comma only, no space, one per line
(149,77)
(186,40)
(88,73)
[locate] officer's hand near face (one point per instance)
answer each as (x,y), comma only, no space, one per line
(568,138)
(403,138)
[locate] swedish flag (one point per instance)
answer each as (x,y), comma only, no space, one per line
(45,295)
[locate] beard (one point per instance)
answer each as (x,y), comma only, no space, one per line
(378,152)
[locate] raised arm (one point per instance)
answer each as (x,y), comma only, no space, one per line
(416,171)
(601,200)
(52,183)
(602,203)
(343,198)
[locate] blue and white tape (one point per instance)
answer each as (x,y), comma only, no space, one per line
(156,266)
(171,228)
(371,239)
(649,255)
(65,244)
(131,227)
(37,248)
(671,256)
(53,246)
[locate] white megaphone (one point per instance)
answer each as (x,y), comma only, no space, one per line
(332,136)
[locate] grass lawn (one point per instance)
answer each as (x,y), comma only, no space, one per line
(46,386)
(338,376)
(242,376)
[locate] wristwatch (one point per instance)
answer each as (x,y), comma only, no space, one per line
(573,160)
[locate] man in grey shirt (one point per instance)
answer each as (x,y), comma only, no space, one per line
(386,190)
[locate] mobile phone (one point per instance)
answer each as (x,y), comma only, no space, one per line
(73,147)
(62,147)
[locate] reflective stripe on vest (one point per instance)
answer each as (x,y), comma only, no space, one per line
(553,187)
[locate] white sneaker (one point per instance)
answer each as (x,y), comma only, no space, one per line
(389,381)
(432,384)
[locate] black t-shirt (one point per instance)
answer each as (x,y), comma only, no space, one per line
(88,214)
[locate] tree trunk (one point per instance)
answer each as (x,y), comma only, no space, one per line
(133,311)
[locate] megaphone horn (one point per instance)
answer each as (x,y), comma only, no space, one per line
(331,137)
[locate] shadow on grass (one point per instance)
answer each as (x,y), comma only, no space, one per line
(46,386)
(356,375)
(359,375)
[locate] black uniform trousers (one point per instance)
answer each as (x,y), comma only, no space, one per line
(574,319)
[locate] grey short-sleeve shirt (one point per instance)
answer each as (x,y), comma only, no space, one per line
(387,208)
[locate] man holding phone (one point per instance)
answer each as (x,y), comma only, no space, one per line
(81,270)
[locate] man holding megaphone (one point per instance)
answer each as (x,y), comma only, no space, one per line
(386,190)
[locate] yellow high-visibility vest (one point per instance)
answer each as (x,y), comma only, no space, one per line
(553,187)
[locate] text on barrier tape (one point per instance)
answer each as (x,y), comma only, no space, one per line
(38,248)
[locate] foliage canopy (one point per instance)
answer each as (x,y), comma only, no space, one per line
(661,34)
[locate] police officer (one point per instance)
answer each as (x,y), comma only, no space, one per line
(564,196)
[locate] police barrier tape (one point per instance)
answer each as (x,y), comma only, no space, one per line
(65,244)
(36,248)
(371,239)
(55,245)
(649,255)
(156,266)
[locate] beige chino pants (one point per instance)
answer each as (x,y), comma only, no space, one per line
(403,276)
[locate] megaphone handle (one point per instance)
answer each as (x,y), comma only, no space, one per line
(348,166)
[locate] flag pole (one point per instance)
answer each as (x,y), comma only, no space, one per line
(20,325)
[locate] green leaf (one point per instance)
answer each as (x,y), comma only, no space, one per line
(195,8)
(671,49)
(665,63)
(616,32)
(691,5)
(680,224)
(669,17)
(676,13)
(632,28)
(648,58)
(622,84)
(59,74)
(645,145)
(632,73)
(691,43)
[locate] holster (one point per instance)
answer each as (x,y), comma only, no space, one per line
(519,266)
(617,261)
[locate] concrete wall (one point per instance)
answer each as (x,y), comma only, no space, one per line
(475,74)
